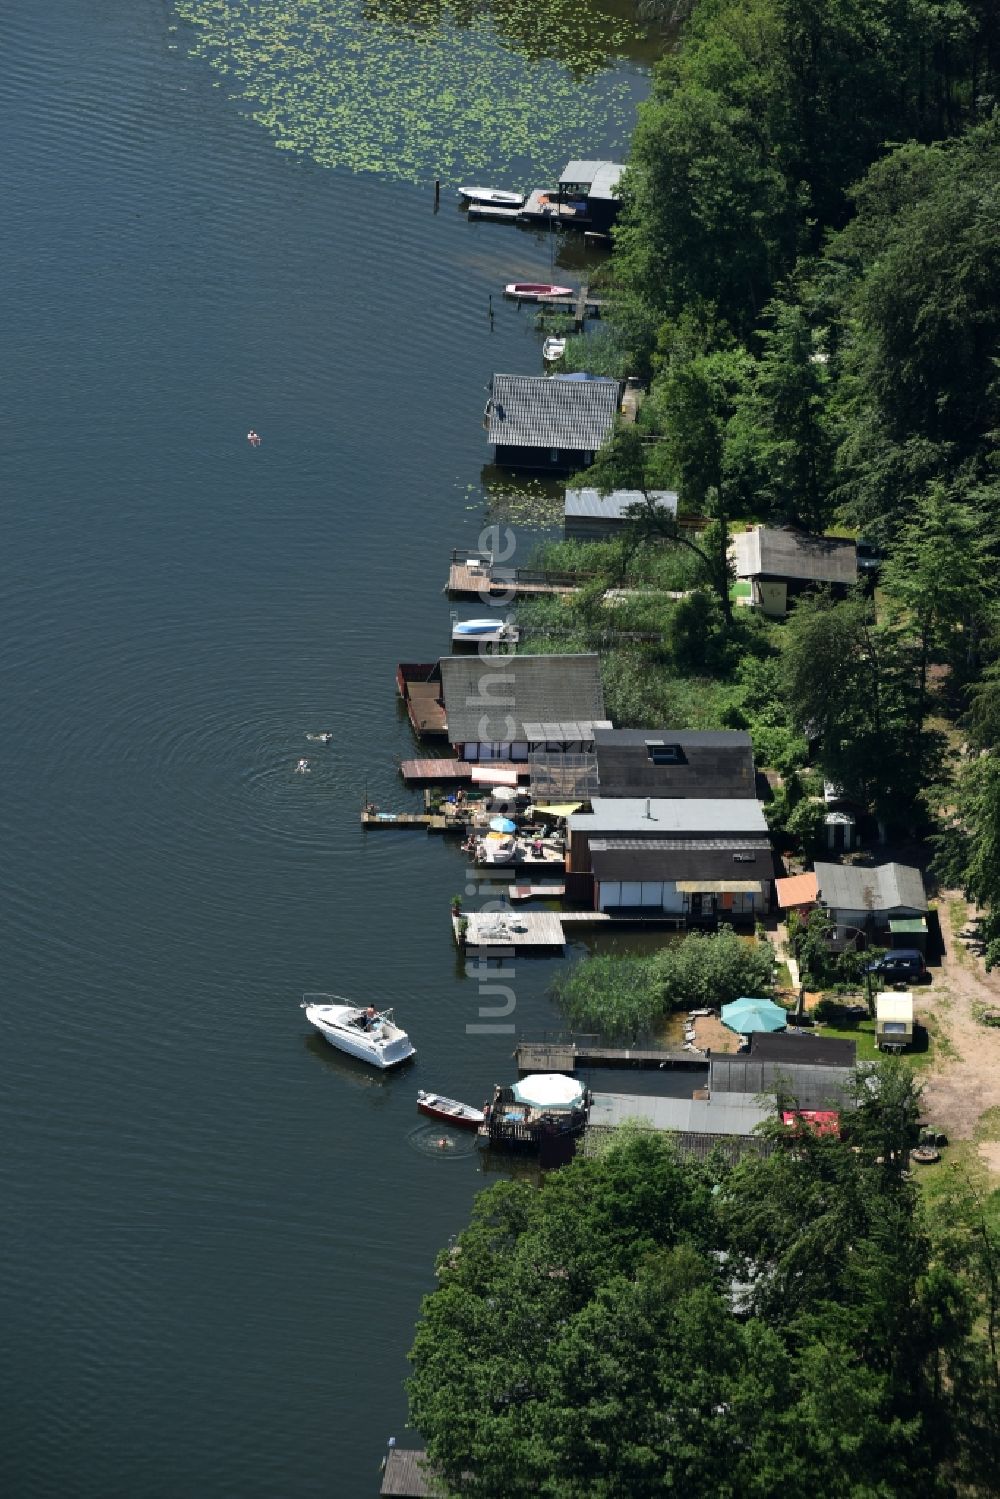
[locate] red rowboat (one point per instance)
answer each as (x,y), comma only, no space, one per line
(536,291)
(449,1110)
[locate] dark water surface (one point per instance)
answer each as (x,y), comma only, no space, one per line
(216,1232)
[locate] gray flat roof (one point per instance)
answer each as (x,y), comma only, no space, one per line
(590,504)
(722,859)
(887,887)
(730,1114)
(657,816)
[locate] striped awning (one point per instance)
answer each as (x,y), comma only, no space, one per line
(720,887)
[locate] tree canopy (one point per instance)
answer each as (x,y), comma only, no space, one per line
(641,1326)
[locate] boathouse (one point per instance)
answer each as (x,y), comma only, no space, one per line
(554,422)
(594,188)
(674,762)
(696,860)
(589,515)
(506,707)
(776,564)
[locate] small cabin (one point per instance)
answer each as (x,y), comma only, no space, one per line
(776,564)
(551,422)
(893,1021)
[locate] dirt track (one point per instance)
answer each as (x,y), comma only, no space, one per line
(965,1079)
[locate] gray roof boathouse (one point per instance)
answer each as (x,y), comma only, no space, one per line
(552,422)
(590,515)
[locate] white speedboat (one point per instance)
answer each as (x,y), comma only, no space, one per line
(491,197)
(362,1031)
(553,349)
(492,631)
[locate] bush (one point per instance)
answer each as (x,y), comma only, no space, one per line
(807,825)
(711,969)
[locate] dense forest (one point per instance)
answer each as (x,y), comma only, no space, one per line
(807,279)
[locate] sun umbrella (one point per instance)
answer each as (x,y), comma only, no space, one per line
(746,1015)
(502,825)
(549,1090)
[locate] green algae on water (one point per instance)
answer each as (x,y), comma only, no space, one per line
(422,89)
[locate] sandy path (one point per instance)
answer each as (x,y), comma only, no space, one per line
(965,1080)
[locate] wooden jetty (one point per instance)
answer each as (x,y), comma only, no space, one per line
(469,576)
(429,821)
(567,1056)
(508,931)
(407,1475)
(458,772)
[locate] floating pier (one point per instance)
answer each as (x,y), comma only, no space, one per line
(510,931)
(430,822)
(567,1056)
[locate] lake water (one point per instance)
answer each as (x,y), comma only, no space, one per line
(216,1232)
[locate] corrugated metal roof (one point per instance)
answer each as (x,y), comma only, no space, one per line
(650,816)
(590,504)
(606,181)
(562,729)
(730,1114)
(580,171)
(534,411)
(812,1087)
(887,887)
(490,699)
(765,552)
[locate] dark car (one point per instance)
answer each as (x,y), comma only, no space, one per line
(902,964)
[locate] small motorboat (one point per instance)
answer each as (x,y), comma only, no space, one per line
(491,197)
(449,1110)
(535,291)
(362,1031)
(492,631)
(553,349)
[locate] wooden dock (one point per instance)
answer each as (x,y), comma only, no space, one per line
(567,1056)
(407,1475)
(455,772)
(509,931)
(544,891)
(477,582)
(431,822)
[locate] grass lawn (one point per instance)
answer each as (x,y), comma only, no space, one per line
(961,1163)
(863,1032)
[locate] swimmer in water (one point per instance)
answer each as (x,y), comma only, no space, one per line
(253,438)
(302,767)
(323,738)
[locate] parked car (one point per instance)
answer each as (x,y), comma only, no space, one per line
(903,964)
(870,558)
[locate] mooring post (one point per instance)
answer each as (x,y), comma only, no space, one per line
(491,312)
(437,193)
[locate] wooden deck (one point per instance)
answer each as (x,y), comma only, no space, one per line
(519,582)
(405,1475)
(566,1056)
(429,821)
(510,931)
(540,892)
(454,772)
